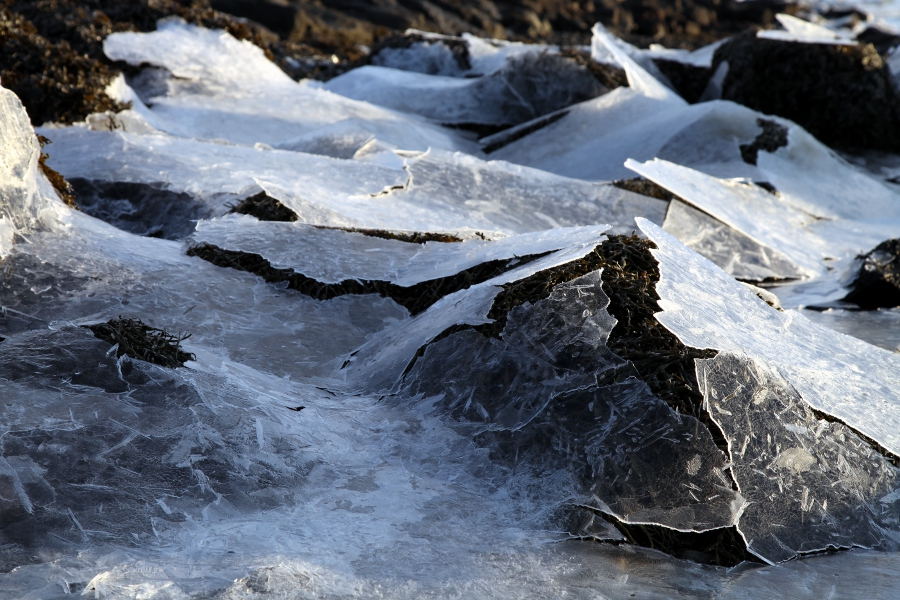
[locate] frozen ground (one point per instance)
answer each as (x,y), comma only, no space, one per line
(346,445)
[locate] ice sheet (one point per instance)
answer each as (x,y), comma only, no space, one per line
(214,172)
(332,256)
(439,192)
(596,137)
(506,197)
(798,30)
(838,375)
(757,213)
(527,87)
(737,254)
(234,93)
(809,484)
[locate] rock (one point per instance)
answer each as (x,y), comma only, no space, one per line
(689,80)
(877,284)
(844,95)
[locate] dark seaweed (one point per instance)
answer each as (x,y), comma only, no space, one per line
(137,340)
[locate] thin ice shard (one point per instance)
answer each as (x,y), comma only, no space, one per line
(332,256)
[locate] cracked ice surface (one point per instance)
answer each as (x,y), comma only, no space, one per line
(121,479)
(809,484)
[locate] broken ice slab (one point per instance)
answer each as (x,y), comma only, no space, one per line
(377,366)
(332,255)
(782,222)
(216,173)
(798,30)
(534,398)
(440,192)
(748,208)
(526,87)
(595,138)
(643,77)
(234,92)
(738,255)
(840,376)
(810,484)
(514,199)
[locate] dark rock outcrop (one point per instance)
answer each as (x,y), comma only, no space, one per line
(844,95)
(877,284)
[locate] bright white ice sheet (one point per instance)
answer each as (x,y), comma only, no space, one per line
(234,93)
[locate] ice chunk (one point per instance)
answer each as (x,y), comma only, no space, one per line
(332,256)
(27,200)
(737,254)
(639,79)
(234,93)
(527,87)
(838,375)
(748,208)
(810,484)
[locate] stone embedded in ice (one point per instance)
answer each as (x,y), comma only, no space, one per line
(550,396)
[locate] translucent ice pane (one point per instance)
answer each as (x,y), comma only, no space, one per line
(810,484)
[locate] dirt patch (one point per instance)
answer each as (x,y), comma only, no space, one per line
(682,24)
(137,340)
(415,298)
(645,187)
(843,95)
(610,76)
(773,137)
(265,208)
(63,188)
(877,283)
